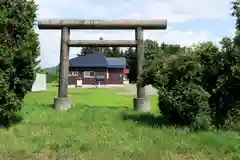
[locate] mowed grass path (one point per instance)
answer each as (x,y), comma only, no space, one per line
(94,128)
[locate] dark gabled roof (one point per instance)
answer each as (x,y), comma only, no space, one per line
(95,59)
(116,62)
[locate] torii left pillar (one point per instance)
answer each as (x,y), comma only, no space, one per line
(63,101)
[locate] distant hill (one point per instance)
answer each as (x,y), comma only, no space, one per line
(52,69)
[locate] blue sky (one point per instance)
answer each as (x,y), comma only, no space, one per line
(188,21)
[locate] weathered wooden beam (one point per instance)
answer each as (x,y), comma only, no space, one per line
(102,43)
(102,24)
(140,59)
(63,101)
(141,102)
(64,58)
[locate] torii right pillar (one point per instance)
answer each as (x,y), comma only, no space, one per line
(141,102)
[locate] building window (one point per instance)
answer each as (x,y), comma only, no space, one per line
(89,74)
(75,73)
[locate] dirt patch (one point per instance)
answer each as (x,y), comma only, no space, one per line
(6,156)
(44,154)
(165,155)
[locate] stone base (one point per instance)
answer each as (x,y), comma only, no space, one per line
(141,104)
(62,104)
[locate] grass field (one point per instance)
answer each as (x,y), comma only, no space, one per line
(101,125)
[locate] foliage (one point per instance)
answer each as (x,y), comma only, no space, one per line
(197,81)
(236,13)
(38,69)
(217,77)
(131,58)
(52,77)
(19,48)
(177,77)
(171,48)
(225,100)
(151,50)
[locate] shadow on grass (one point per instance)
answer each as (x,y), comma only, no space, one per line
(147,119)
(102,107)
(82,106)
(6,123)
(159,121)
(47,105)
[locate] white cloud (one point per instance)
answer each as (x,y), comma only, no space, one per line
(173,10)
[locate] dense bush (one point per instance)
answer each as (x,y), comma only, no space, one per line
(197,83)
(220,78)
(194,84)
(151,49)
(177,78)
(19,48)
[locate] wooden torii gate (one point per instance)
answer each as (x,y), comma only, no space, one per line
(64,101)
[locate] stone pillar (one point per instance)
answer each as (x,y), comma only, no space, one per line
(63,101)
(141,102)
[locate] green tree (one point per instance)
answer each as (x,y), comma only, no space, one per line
(116,52)
(236,13)
(107,51)
(52,77)
(151,49)
(19,49)
(176,77)
(153,52)
(206,72)
(40,70)
(170,49)
(130,55)
(225,100)
(209,56)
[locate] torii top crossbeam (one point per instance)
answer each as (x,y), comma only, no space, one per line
(103,24)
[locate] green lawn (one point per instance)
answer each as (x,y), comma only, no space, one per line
(95,128)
